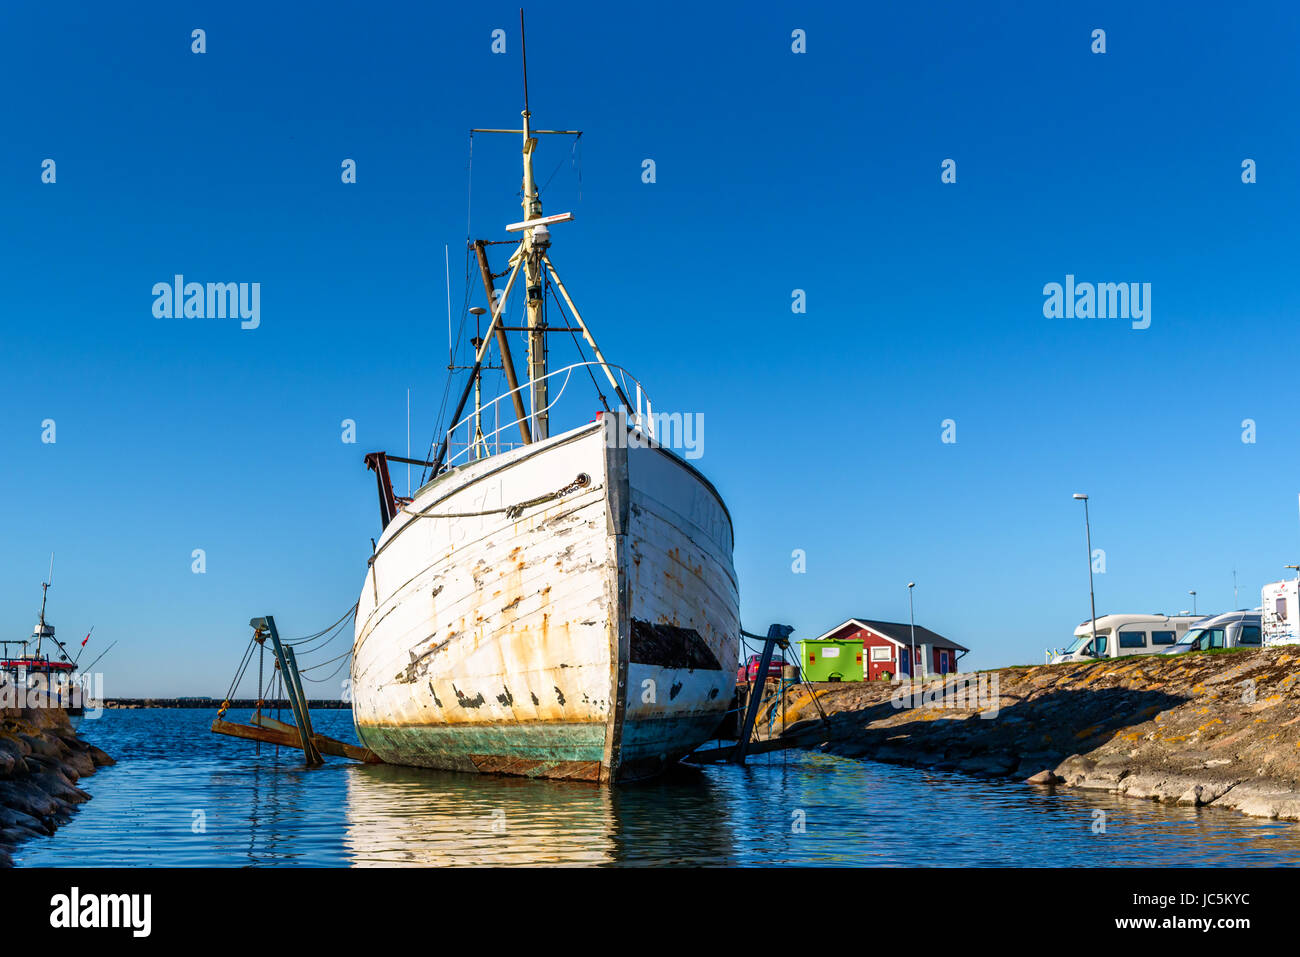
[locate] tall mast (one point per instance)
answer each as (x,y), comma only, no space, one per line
(45,590)
(533,246)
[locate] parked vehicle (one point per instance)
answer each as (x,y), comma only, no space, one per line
(1280,608)
(1121,635)
(1234,629)
(775,668)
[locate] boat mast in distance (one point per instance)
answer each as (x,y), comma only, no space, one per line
(42,629)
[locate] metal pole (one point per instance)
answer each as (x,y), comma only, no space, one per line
(911,616)
(531,250)
(1092,595)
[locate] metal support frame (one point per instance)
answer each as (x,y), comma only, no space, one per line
(478,358)
(377,462)
(503,344)
(776,635)
(293,689)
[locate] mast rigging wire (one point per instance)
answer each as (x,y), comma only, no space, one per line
(581,354)
(575,160)
(342,663)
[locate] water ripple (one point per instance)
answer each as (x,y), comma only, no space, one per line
(181,796)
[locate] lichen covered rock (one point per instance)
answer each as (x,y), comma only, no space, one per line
(1218,729)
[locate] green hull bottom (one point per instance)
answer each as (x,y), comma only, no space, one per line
(547,749)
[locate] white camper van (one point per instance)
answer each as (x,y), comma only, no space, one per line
(1234,629)
(1121,635)
(1280,606)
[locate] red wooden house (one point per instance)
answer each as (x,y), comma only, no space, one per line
(886,647)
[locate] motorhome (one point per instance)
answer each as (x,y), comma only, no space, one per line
(1280,607)
(1122,635)
(1234,629)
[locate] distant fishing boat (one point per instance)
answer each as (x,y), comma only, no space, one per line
(32,669)
(564,606)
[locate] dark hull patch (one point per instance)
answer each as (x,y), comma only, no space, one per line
(668,646)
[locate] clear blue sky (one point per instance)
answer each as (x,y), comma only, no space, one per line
(775,172)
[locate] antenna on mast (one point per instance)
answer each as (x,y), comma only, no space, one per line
(523,46)
(533,244)
(446,258)
(527,262)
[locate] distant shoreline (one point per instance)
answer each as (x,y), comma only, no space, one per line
(214,704)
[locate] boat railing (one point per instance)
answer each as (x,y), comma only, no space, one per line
(474,445)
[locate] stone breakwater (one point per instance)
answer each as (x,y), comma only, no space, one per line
(41,761)
(1216,729)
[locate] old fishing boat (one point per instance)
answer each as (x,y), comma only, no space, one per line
(560,603)
(33,673)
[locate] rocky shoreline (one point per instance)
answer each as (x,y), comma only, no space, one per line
(41,761)
(1219,729)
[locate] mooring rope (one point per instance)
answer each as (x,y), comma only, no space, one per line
(332,632)
(324,663)
(513,511)
(333,674)
(340,627)
(346,615)
(239,676)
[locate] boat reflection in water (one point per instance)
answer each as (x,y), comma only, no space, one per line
(408,816)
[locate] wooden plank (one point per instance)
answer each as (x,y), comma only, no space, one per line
(291,739)
(266,721)
(726,752)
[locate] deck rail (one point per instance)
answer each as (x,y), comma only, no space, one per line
(478,443)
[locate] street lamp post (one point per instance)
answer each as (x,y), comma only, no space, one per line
(1092,596)
(911,617)
(1193,594)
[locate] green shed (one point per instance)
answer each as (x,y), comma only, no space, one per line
(831,660)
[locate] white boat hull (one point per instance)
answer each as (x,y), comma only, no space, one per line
(594,636)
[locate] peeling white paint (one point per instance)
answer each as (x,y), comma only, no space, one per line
(487,621)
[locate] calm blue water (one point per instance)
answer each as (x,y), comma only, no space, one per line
(182,796)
